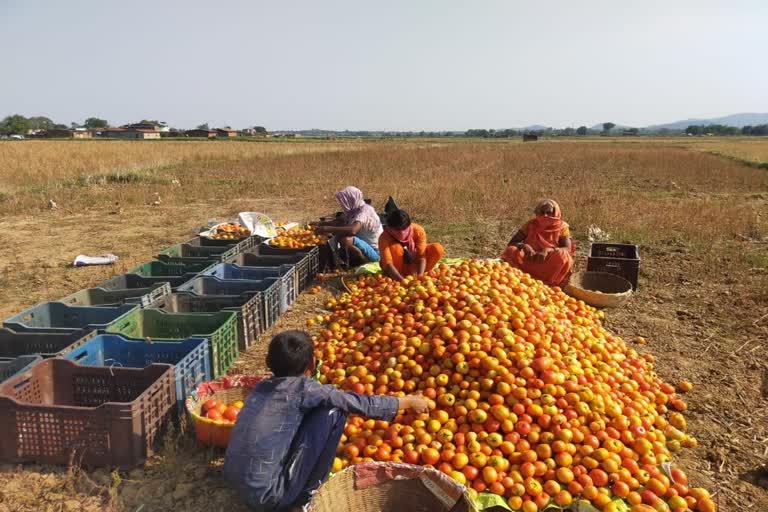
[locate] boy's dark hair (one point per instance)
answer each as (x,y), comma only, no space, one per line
(290,353)
(398,219)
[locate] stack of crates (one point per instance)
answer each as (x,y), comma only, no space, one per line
(141,341)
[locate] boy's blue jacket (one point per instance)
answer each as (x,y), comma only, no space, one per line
(261,439)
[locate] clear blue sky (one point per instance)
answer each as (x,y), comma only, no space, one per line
(396,65)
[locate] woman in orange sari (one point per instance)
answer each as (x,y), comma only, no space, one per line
(404,249)
(543,246)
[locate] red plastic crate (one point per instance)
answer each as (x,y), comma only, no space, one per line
(59,412)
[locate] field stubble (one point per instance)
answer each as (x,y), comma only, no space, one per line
(701,222)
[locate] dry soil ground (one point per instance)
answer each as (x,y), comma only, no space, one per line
(701,221)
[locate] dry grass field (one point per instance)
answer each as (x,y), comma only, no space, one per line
(701,221)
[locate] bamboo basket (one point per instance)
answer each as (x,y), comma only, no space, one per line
(341,494)
(227,390)
(599,289)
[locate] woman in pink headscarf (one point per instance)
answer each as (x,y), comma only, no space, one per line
(543,247)
(357,230)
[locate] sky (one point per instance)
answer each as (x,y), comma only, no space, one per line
(383,65)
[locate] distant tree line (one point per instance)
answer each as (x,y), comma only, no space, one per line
(761,129)
(18,124)
(714,129)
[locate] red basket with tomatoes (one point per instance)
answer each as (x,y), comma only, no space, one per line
(214,407)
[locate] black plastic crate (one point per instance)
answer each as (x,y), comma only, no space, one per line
(14,344)
(191,252)
(306,264)
(130,281)
(619,259)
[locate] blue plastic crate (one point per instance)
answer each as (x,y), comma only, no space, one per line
(269,288)
(57,317)
(10,366)
(190,357)
(289,278)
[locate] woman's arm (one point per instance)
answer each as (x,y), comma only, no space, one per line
(349,230)
(517,239)
(565,243)
(422,263)
(391,272)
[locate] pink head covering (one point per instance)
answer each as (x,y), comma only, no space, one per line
(404,237)
(350,199)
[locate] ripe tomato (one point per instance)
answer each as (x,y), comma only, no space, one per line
(213,414)
(230,413)
(210,404)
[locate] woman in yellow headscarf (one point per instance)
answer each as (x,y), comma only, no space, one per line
(542,247)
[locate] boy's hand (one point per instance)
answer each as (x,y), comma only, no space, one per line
(414,403)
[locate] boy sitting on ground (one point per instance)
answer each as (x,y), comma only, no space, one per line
(283,444)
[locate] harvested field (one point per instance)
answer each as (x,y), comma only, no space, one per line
(701,221)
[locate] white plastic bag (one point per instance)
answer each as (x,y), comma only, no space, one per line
(258,223)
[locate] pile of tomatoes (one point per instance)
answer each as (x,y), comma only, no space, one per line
(230,232)
(221,412)
(530,397)
(298,238)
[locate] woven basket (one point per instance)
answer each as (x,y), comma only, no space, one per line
(226,390)
(599,289)
(340,495)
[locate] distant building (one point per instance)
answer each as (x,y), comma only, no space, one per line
(226,132)
(530,137)
(130,133)
(82,134)
(55,133)
(64,133)
(251,132)
(208,134)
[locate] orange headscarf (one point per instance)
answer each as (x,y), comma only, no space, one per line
(545,231)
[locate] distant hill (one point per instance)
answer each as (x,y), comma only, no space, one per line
(738,120)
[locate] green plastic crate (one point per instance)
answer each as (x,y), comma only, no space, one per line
(154,324)
(170,268)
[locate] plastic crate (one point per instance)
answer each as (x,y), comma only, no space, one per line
(289,281)
(59,412)
(213,242)
(321,255)
(190,359)
(130,281)
(57,317)
(248,243)
(10,366)
(13,344)
(103,297)
(620,259)
(170,268)
(270,290)
(265,248)
(220,329)
(192,252)
(249,309)
(307,265)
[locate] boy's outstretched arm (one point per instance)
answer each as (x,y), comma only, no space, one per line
(380,407)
